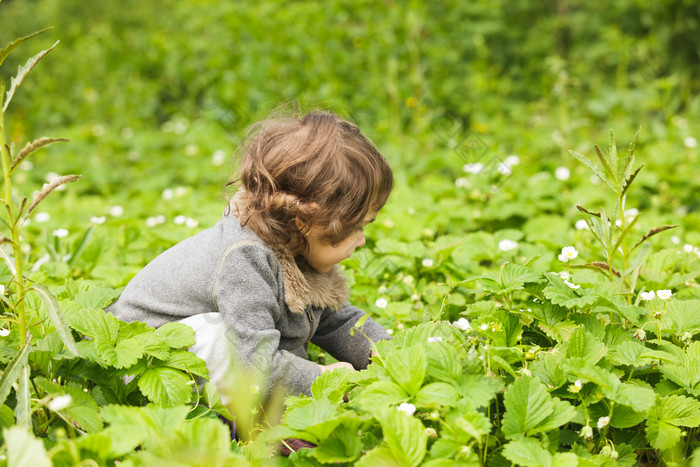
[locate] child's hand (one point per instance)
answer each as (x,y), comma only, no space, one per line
(336,365)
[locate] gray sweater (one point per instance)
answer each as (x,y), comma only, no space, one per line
(273,307)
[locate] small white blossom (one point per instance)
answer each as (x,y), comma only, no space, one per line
(60,233)
(4,332)
(390,332)
(562,173)
(191,150)
(484,327)
(381,303)
(564,275)
(568,253)
(507,245)
(191,223)
(504,168)
(524,372)
(427,263)
(219,157)
(179,220)
(572,285)
(664,294)
(687,336)
(116,211)
(640,334)
(618,223)
(42,217)
(647,295)
(180,191)
(512,160)
(167,194)
(151,222)
(2,289)
(586,432)
(462,324)
(405,407)
(60,402)
(581,224)
(254,388)
(603,421)
(411,211)
(576,387)
(675,240)
(434,339)
(631,212)
(415,297)
(688,248)
(690,142)
(474,168)
(98,219)
(462,182)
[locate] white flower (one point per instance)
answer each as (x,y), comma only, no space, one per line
(191,150)
(427,263)
(116,211)
(507,245)
(2,289)
(381,303)
(98,219)
(603,421)
(504,168)
(434,339)
(151,222)
(690,142)
(191,223)
(42,217)
(524,372)
(60,233)
(484,327)
(512,160)
(415,297)
(675,240)
(568,253)
(168,193)
(576,387)
(60,402)
(405,407)
(462,182)
(581,224)
(179,220)
(688,248)
(219,157)
(462,324)
(664,294)
(4,332)
(180,191)
(390,332)
(562,173)
(687,336)
(647,295)
(618,223)
(408,279)
(254,388)
(474,168)
(564,275)
(411,211)
(586,432)
(572,285)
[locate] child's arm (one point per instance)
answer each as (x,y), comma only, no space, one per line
(246,294)
(334,336)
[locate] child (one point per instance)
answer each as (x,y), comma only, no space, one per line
(264,281)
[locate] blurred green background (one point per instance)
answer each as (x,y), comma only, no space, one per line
(156,94)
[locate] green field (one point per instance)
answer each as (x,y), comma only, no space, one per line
(506,351)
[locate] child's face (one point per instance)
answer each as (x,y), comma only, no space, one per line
(322,257)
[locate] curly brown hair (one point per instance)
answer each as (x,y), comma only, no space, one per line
(316,170)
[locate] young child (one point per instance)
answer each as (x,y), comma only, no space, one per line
(264,282)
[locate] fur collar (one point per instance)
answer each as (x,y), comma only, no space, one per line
(303,286)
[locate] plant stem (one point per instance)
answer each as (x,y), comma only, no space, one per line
(14,232)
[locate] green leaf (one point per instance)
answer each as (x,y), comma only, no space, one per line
(52,308)
(318,418)
(343,446)
(444,362)
(12,372)
(23,409)
(187,362)
(381,394)
(436,395)
(584,345)
(24,449)
(480,389)
(407,368)
(176,335)
(527,452)
(667,416)
(593,167)
(404,435)
(22,73)
(561,294)
(123,353)
(332,385)
(531,409)
(16,43)
(379,456)
(509,278)
(165,386)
